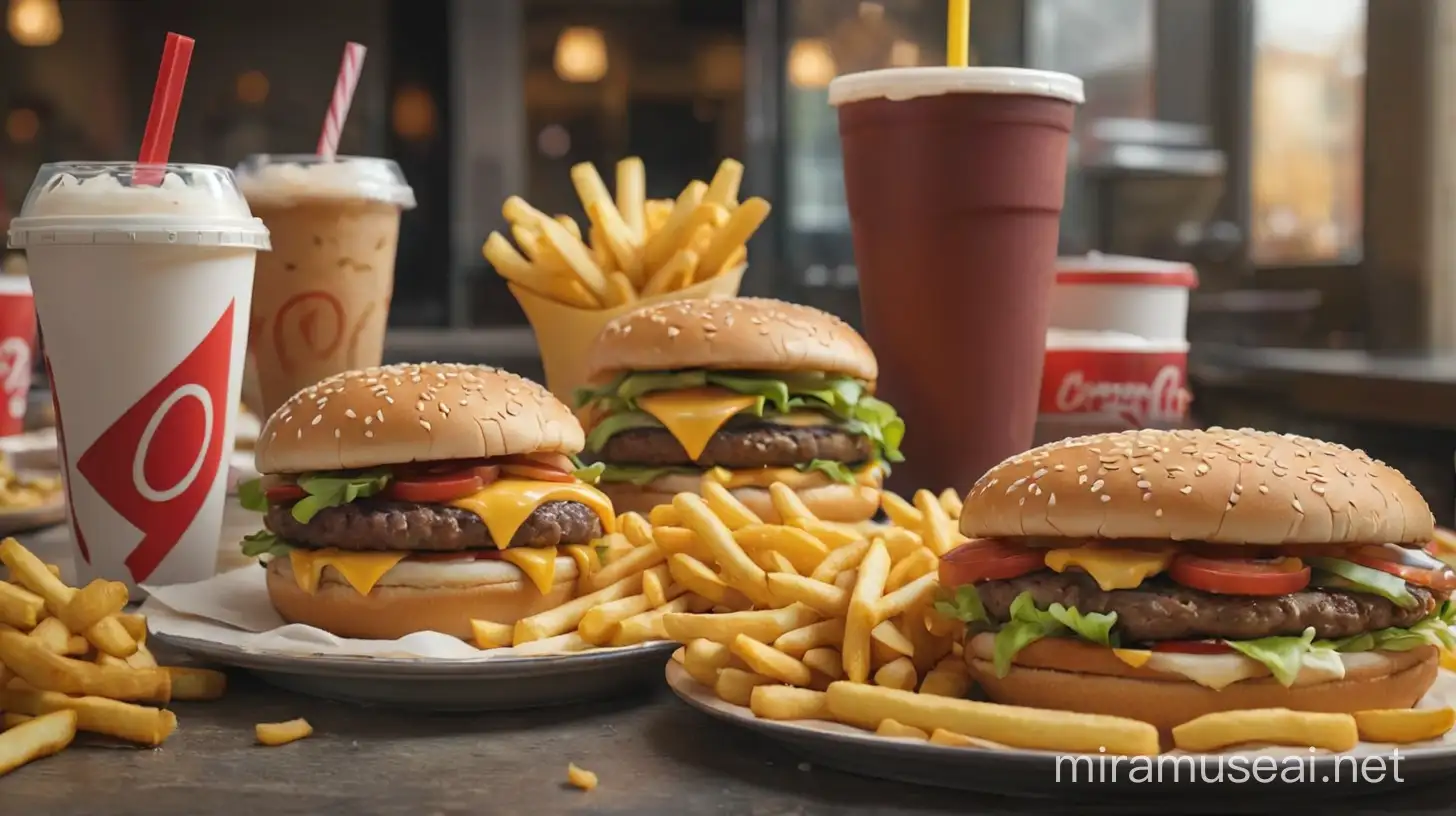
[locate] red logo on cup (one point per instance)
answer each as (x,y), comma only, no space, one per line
(1141,388)
(157,462)
(15,365)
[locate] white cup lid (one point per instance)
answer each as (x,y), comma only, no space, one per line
(900,84)
(1096,268)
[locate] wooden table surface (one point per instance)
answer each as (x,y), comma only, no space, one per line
(654,755)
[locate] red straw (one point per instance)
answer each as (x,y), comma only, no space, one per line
(349,69)
(166,99)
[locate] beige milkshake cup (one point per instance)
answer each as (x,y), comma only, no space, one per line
(143,289)
(321,297)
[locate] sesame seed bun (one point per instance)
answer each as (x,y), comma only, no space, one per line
(1069,675)
(418,596)
(745,334)
(422,412)
(1239,487)
(832,501)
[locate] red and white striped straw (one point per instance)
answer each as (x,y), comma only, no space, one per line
(349,69)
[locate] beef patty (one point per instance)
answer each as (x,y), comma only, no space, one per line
(746,446)
(1162,610)
(369,524)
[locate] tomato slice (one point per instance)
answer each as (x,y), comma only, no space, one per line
(283,493)
(988,559)
(436,490)
(537,472)
(1202,647)
(1240,576)
(1411,565)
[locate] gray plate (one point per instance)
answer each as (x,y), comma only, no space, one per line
(1035,773)
(506,683)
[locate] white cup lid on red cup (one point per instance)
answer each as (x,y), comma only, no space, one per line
(1094,268)
(1115,293)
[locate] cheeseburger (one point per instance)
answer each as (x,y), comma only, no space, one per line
(1163,575)
(411,498)
(746,391)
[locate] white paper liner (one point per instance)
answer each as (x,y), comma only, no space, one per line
(232,609)
(1442,694)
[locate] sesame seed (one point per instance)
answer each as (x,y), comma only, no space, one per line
(1021,502)
(1106,498)
(1060,468)
(1144,484)
(1051,500)
(349,412)
(1298,508)
(379,414)
(1185,489)
(1097,485)
(1158,513)
(1081,468)
(1263,488)
(1081,480)
(300,433)
(338,433)
(1201,469)
(425,424)
(1039,473)
(1233,499)
(317,419)
(1318,490)
(1147,497)
(368,434)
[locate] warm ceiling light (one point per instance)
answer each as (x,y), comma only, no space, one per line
(873,12)
(22,125)
(34,22)
(810,64)
(581,55)
(413,114)
(252,87)
(904,54)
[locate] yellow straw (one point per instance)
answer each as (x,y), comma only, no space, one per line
(958,34)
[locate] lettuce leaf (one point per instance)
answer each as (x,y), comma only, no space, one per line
(250,496)
(332,490)
(843,398)
(646,474)
(264,542)
(1338,573)
(590,474)
(965,605)
(1285,655)
(1029,624)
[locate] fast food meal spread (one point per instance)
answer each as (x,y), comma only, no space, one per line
(747,391)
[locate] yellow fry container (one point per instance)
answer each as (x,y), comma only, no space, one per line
(565,333)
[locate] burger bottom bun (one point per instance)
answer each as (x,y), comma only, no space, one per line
(390,612)
(1399,682)
(833,502)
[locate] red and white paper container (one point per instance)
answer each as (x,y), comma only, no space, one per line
(143,293)
(1139,296)
(17,350)
(1094,382)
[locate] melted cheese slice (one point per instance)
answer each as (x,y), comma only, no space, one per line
(795,479)
(1112,568)
(539,564)
(361,569)
(802,419)
(587,559)
(1133,657)
(693,415)
(505,504)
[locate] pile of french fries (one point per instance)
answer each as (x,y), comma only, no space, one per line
(72,660)
(633,247)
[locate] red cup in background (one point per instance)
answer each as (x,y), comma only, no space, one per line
(1100,382)
(17,350)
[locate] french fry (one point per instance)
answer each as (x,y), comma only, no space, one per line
(946,684)
(511,266)
(602,211)
(634,562)
(897,674)
(275,734)
(599,250)
(918,564)
(619,290)
(632,195)
(565,643)
(77,646)
(869,586)
(788,504)
(916,593)
(901,512)
(647,626)
(901,543)
(787,703)
(774,561)
(31,661)
(940,535)
(831,535)
(576,256)
(580,777)
(517,211)
(142,659)
(655,583)
(569,224)
(847,579)
(703,658)
(837,561)
(677,273)
(600,622)
(951,739)
(805,638)
(701,580)
(135,625)
(734,513)
(674,232)
(636,528)
(826,599)
(490,634)
(19,607)
(562,619)
(892,638)
(53,635)
(723,189)
(825,661)
(866,706)
(750,579)
(744,221)
(898,730)
(770,662)
(664,515)
(656,212)
(98,715)
(736,686)
(197,684)
(10,719)
(37,738)
(951,501)
(1275,726)
(763,625)
(93,602)
(1404,725)
(801,548)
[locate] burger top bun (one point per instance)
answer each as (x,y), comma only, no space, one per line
(422,412)
(1217,485)
(750,334)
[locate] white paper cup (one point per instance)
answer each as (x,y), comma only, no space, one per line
(143,294)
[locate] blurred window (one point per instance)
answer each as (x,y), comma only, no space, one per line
(1308,132)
